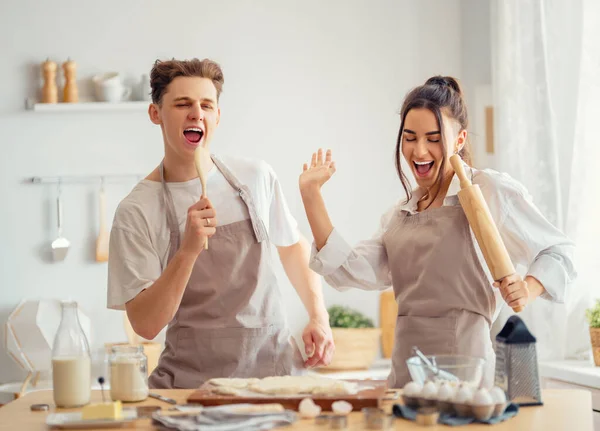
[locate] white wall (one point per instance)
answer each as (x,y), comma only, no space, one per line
(298,75)
(476,73)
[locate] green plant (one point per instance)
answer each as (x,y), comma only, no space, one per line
(593,315)
(344,317)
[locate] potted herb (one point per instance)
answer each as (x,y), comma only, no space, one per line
(593,318)
(356,339)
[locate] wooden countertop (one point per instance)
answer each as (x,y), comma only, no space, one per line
(562,410)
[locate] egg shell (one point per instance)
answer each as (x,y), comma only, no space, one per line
(341,407)
(429,391)
(499,409)
(412,389)
(482,412)
(498,395)
(446,392)
(482,398)
(308,409)
(464,395)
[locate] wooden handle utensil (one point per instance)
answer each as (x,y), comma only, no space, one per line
(483,226)
(201,175)
(103,235)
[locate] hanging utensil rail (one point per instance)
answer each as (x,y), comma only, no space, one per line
(81,179)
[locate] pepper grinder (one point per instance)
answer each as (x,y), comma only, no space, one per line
(49,90)
(70,93)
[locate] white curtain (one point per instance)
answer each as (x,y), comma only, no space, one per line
(545,79)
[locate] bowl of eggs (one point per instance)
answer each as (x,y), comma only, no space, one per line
(456,397)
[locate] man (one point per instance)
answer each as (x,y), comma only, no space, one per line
(222,304)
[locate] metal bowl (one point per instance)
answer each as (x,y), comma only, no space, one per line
(463,369)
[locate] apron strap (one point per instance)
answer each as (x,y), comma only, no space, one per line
(171,214)
(257,224)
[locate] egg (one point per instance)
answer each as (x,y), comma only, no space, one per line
(464,395)
(446,392)
(308,408)
(498,395)
(429,390)
(482,398)
(341,407)
(455,386)
(412,389)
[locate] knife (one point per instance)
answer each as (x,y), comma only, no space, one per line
(160,397)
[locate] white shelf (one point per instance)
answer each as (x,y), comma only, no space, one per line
(88,106)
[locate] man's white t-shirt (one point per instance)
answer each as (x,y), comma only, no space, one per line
(139,238)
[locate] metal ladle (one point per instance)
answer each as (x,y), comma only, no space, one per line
(60,245)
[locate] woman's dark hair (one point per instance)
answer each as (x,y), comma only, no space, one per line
(437,94)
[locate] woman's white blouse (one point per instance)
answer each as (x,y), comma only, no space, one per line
(533,243)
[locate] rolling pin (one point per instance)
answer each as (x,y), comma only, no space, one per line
(483,226)
(202,176)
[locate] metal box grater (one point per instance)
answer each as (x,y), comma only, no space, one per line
(516,364)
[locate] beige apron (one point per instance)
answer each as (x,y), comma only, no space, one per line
(445,301)
(230,322)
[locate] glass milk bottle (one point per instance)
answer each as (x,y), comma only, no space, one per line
(71,362)
(128,373)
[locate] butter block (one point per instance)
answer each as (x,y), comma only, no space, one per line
(113,410)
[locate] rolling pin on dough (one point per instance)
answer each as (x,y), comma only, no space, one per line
(201,175)
(483,226)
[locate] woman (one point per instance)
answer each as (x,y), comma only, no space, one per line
(424,247)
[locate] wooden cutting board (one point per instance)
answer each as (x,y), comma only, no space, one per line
(364,398)
(388,311)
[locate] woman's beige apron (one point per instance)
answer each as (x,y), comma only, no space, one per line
(445,301)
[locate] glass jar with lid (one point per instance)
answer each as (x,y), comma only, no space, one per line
(128,373)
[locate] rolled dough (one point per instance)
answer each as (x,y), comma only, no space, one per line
(226,390)
(284,385)
(233,382)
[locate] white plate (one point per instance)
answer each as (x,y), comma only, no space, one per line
(73,420)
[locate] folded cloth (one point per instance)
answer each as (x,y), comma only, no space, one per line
(225,418)
(405,412)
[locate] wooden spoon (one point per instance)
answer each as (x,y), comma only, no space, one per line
(198,154)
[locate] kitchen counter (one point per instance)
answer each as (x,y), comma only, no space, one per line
(562,410)
(579,372)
